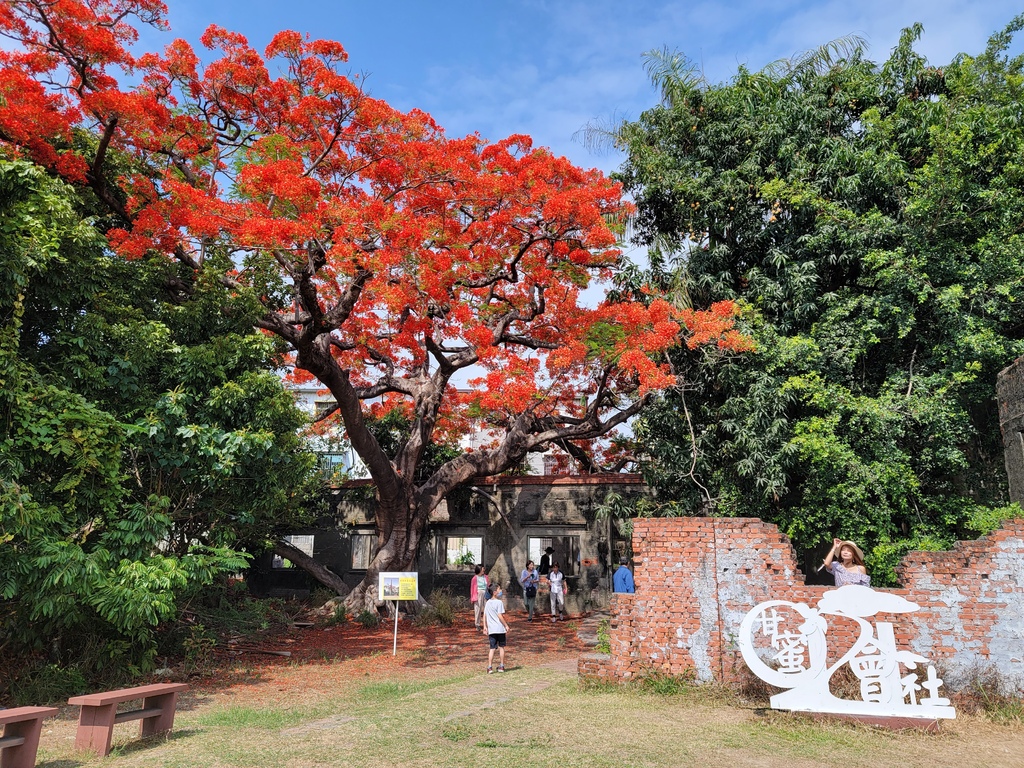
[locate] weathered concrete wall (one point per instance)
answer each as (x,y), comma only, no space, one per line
(696,578)
(516,509)
(1010,394)
(505,512)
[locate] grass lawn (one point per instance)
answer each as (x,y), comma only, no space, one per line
(373,712)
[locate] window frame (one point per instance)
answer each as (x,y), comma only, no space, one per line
(570,541)
(305,542)
(441,559)
(369,545)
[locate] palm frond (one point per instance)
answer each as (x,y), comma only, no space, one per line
(818,60)
(602,135)
(673,74)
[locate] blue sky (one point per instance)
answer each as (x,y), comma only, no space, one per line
(546,68)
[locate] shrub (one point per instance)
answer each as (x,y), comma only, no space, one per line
(99,661)
(441,610)
(221,610)
(198,648)
(604,636)
(339,617)
(368,619)
(47,684)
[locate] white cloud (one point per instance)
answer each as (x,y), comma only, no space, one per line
(547,68)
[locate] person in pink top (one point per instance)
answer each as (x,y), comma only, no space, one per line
(478,594)
(845,562)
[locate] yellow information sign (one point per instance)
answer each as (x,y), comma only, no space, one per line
(408,589)
(398,585)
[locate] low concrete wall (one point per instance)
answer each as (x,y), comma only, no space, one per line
(1010,396)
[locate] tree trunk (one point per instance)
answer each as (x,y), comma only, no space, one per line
(324,575)
(399,552)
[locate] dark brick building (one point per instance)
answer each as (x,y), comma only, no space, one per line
(1010,394)
(499,521)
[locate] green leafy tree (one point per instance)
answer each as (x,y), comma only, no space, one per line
(388,256)
(145,440)
(868,218)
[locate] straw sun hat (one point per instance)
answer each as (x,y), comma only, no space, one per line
(851,545)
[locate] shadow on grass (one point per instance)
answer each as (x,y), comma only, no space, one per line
(141,745)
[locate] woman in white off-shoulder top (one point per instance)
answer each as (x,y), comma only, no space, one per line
(845,561)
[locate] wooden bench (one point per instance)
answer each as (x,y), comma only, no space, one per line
(99,713)
(20,740)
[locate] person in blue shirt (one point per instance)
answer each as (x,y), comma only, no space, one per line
(622,581)
(529,579)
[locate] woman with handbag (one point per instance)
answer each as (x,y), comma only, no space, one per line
(529,579)
(478,588)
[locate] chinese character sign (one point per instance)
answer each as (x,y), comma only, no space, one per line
(399,585)
(784,644)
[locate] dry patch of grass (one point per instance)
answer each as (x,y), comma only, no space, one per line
(530,716)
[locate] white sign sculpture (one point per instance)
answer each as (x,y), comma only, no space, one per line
(784,644)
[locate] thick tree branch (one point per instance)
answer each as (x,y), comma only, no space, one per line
(322,574)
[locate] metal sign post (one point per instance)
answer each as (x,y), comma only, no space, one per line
(397,586)
(394,644)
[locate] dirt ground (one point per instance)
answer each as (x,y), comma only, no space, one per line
(326,656)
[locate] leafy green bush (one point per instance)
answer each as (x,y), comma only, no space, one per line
(224,609)
(604,636)
(47,684)
(100,660)
(368,619)
(338,617)
(983,520)
(441,611)
(881,561)
(198,647)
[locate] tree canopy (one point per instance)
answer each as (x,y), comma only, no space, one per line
(867,218)
(384,254)
(145,444)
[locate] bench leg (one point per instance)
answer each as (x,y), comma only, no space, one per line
(162,723)
(23,755)
(96,728)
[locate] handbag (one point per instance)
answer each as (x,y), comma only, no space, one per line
(530,591)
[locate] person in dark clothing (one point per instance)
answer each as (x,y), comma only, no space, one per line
(545,561)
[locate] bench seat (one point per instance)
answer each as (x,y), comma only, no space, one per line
(19,741)
(99,713)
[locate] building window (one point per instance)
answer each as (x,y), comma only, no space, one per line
(460,552)
(334,465)
(566,552)
(323,406)
(362,550)
(302,543)
(557,464)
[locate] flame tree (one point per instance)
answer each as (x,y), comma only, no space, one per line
(388,256)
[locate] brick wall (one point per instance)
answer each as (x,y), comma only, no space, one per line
(696,578)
